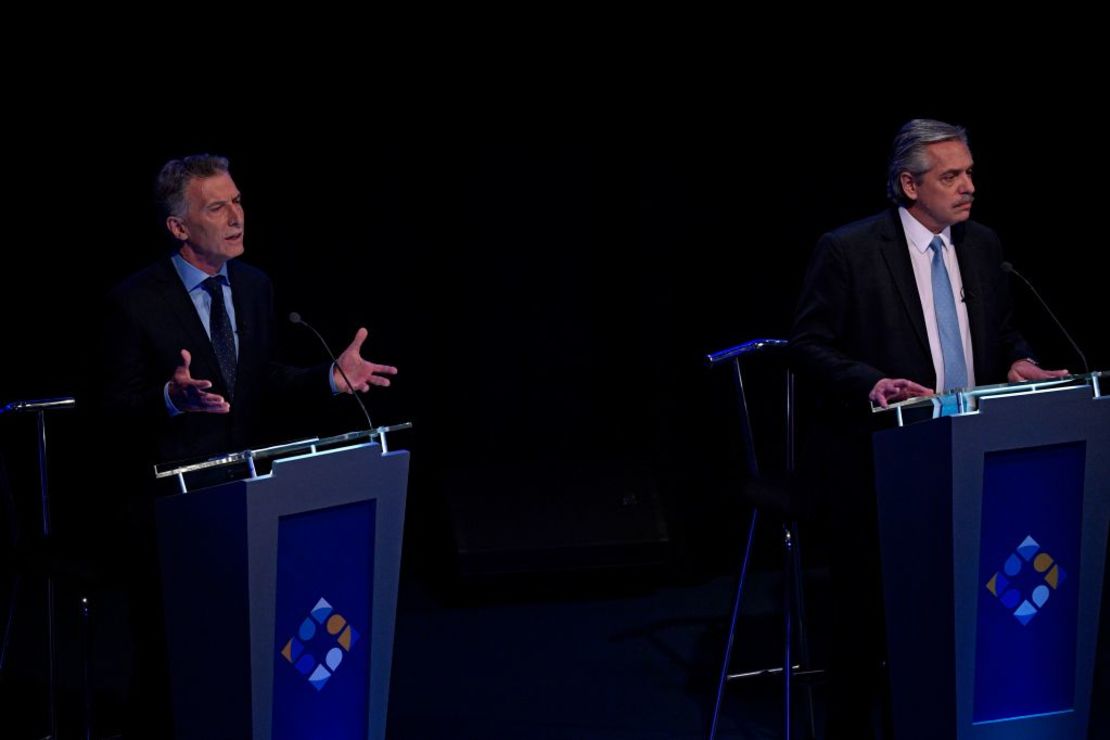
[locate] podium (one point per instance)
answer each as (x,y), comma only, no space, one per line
(280,589)
(993,518)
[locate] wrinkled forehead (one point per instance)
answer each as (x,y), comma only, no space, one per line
(947,155)
(204,191)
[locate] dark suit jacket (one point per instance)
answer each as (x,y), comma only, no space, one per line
(150,319)
(859,317)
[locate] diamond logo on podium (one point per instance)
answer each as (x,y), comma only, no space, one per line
(322,632)
(1026,571)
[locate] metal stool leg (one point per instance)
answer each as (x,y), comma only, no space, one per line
(51,636)
(803,636)
(86,689)
(17,584)
(788,624)
(732,625)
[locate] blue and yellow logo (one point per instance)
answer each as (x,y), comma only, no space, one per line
(322,629)
(1010,583)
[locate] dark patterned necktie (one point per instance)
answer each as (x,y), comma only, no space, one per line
(220,331)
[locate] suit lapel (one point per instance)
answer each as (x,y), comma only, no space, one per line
(895,252)
(246,320)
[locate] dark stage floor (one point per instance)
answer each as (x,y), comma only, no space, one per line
(608,656)
(613,655)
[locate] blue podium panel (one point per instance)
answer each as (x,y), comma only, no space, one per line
(993,528)
(324,588)
(281,595)
(1029,551)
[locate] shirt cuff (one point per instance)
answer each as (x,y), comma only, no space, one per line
(170,408)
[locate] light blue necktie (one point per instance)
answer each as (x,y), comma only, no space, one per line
(948,325)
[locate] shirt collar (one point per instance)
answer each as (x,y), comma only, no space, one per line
(192,277)
(917,235)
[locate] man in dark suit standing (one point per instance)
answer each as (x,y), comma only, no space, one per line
(907,303)
(188,372)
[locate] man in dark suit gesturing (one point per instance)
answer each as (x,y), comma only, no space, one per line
(188,371)
(910,302)
(190,337)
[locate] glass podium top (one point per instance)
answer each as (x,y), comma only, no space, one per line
(966,400)
(250,460)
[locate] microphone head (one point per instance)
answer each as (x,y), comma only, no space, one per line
(295,318)
(1007,267)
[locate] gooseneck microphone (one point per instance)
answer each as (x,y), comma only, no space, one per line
(1009,269)
(296,319)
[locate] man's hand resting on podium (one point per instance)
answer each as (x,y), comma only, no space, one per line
(892,390)
(1028,370)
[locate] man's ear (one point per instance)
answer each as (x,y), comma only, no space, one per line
(177,228)
(909,185)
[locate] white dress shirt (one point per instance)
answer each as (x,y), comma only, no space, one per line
(918,238)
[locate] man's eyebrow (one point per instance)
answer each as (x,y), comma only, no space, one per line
(957,170)
(221,201)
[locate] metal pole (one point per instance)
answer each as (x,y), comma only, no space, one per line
(44,487)
(86,689)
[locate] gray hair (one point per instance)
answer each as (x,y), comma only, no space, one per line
(175,175)
(908,153)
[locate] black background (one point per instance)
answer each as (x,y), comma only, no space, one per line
(547,275)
